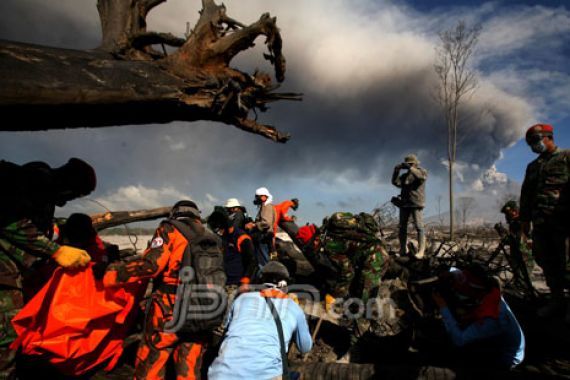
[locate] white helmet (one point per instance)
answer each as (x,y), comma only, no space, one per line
(232,202)
(263,191)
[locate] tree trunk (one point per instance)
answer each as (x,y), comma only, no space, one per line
(116,218)
(126,82)
(451,208)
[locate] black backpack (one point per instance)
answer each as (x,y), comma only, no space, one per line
(201,300)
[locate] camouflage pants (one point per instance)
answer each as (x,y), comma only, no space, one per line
(11,301)
(549,247)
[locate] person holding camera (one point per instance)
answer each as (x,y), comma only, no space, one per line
(478,320)
(411,178)
(258,330)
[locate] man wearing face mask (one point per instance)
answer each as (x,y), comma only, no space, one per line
(237,213)
(240,263)
(545,206)
(262,228)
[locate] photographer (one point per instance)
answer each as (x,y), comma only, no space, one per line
(259,328)
(411,201)
(478,320)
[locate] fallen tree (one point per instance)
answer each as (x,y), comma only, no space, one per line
(115,218)
(126,81)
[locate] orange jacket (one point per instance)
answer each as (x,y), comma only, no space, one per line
(281,210)
(162,258)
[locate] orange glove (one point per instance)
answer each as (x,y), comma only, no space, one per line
(329,302)
(70,257)
(244,284)
(294,297)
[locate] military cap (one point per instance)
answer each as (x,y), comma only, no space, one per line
(411,159)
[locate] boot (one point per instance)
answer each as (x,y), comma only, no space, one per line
(553,306)
(421,244)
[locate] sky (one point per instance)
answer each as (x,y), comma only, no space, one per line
(366,71)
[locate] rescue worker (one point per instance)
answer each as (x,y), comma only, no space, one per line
(251,348)
(237,213)
(545,210)
(356,255)
(343,255)
(28,197)
(520,254)
(411,201)
(282,218)
(262,229)
(478,320)
(162,261)
(78,231)
(239,253)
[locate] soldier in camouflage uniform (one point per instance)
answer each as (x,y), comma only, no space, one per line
(28,196)
(411,201)
(356,253)
(520,254)
(545,203)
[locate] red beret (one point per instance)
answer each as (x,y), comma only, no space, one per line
(539,128)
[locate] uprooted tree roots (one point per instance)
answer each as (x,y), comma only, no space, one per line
(127,81)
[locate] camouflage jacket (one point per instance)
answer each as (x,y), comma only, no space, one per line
(413,185)
(369,259)
(21,243)
(545,193)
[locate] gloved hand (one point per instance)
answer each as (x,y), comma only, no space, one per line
(70,257)
(244,285)
(294,297)
(329,302)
